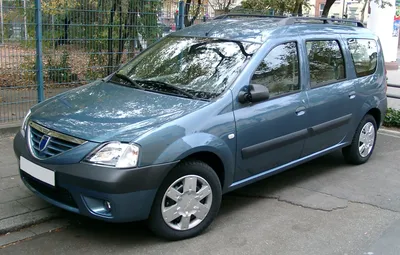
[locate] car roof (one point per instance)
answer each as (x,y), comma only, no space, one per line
(258,29)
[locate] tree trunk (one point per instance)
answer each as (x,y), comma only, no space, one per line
(300,11)
(197,13)
(121,35)
(187,9)
(327,7)
(363,10)
(226,8)
(110,41)
(297,6)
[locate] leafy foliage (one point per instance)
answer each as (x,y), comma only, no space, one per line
(392,118)
(279,6)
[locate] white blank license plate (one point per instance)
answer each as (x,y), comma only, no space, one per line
(40,173)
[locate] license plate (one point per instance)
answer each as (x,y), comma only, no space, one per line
(40,173)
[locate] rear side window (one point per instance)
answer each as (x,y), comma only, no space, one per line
(364,54)
(326,62)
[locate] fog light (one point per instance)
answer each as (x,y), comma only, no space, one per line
(98,206)
(107,205)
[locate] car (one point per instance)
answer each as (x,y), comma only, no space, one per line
(202,112)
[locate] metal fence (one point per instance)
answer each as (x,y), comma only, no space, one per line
(390,95)
(50,46)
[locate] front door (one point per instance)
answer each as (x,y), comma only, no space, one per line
(272,133)
(331,95)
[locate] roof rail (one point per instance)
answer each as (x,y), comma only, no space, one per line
(225,16)
(288,20)
(292,20)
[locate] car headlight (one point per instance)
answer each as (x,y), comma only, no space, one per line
(116,154)
(25,123)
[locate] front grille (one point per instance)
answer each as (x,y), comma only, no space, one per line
(53,147)
(58,194)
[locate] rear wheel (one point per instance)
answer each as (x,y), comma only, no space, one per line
(187,201)
(363,144)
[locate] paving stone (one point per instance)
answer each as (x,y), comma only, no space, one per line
(10,182)
(12,208)
(34,203)
(13,194)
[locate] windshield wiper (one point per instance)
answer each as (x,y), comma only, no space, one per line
(167,85)
(126,78)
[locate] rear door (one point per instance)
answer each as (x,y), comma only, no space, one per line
(331,95)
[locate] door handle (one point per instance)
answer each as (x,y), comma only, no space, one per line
(352,95)
(300,111)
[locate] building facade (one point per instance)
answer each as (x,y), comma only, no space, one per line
(350,8)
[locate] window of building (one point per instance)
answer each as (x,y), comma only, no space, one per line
(321,9)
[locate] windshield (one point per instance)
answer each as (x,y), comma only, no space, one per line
(200,67)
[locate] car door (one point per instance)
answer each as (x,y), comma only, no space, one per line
(331,95)
(271,133)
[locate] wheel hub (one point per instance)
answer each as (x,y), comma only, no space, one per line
(366,140)
(186,202)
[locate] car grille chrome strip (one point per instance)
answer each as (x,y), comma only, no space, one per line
(54,144)
(55,134)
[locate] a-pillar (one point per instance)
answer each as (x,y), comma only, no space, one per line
(381,22)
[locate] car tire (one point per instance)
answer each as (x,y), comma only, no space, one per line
(180,212)
(365,135)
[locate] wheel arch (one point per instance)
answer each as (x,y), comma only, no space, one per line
(207,148)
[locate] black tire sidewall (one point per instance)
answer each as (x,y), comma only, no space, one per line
(352,153)
(156,221)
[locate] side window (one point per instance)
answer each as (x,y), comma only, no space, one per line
(279,71)
(364,54)
(326,62)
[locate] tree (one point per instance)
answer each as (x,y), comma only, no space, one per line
(278,6)
(366,2)
(193,11)
(329,3)
(220,5)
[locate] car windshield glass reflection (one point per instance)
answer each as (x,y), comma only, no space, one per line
(189,67)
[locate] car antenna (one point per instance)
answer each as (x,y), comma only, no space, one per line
(209,31)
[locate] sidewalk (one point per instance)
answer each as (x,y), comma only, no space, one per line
(18,206)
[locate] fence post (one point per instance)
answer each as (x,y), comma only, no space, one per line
(181,15)
(39,52)
(2,21)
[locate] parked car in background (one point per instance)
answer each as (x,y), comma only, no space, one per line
(202,112)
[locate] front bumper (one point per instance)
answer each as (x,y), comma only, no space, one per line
(85,188)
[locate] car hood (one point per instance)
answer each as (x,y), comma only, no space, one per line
(103,111)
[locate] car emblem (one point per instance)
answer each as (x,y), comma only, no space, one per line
(44,142)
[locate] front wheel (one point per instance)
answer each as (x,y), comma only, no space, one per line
(363,144)
(187,202)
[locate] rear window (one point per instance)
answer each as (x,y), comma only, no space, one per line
(364,55)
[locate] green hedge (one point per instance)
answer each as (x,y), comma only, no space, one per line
(392,118)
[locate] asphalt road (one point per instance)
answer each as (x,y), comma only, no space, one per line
(322,207)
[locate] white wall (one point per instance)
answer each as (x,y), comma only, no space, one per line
(381,23)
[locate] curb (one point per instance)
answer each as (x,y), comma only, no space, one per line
(32,231)
(19,222)
(11,128)
(387,131)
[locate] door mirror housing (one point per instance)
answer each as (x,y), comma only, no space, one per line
(255,93)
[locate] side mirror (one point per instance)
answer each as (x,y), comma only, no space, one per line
(255,93)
